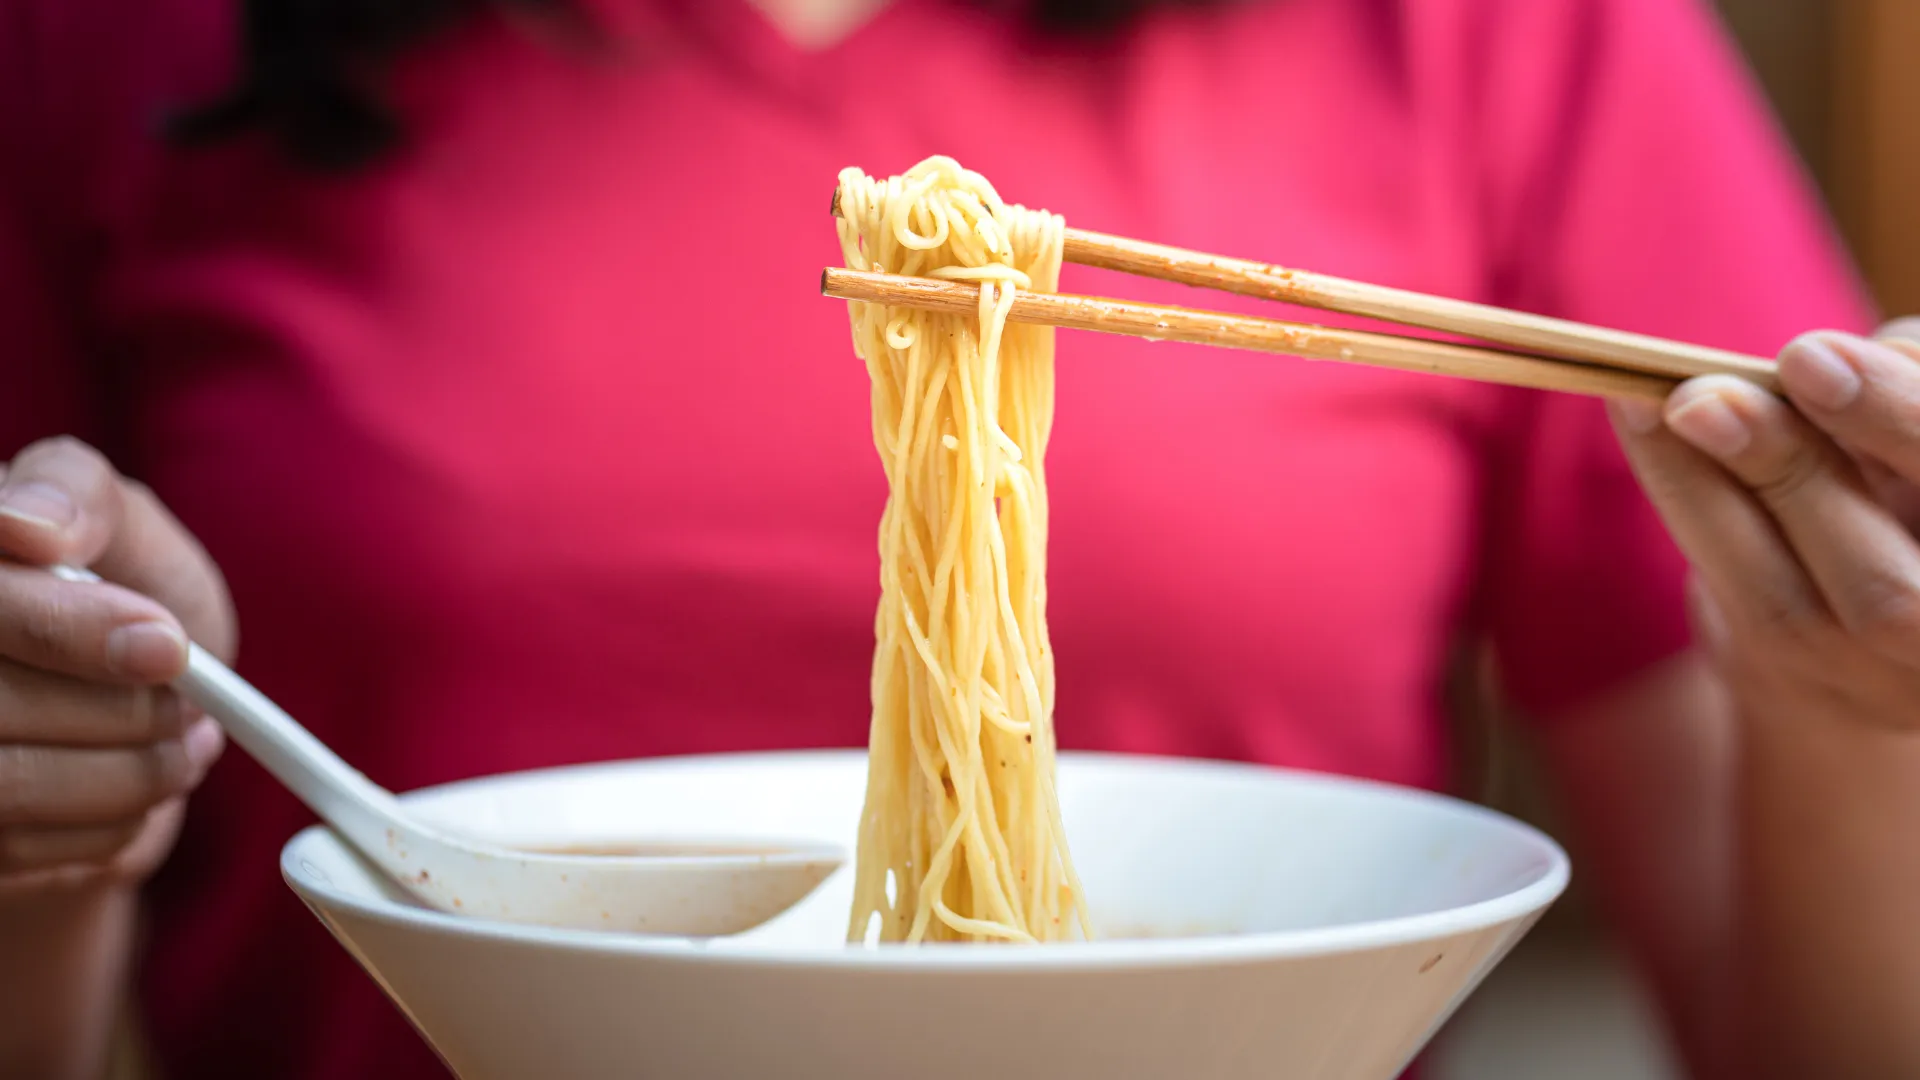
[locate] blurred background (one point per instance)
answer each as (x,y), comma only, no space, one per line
(1843,78)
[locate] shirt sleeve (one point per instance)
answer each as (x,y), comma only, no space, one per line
(1630,177)
(47,387)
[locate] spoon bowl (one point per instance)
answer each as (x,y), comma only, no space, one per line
(679,887)
(674,887)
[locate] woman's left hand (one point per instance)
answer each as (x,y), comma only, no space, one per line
(1799,521)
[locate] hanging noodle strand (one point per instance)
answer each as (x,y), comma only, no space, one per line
(961,838)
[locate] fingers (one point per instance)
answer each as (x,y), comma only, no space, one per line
(96,755)
(1903,334)
(91,631)
(36,859)
(1861,559)
(38,847)
(72,786)
(47,709)
(62,502)
(1864,393)
(1737,550)
(1709,623)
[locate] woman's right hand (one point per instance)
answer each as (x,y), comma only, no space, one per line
(97,755)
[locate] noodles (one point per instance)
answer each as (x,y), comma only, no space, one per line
(960,839)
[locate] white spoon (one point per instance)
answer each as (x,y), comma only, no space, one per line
(691,892)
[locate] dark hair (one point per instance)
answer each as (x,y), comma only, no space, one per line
(309,68)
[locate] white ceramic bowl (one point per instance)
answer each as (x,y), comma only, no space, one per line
(1299,926)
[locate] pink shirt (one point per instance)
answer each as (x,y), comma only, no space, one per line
(536,444)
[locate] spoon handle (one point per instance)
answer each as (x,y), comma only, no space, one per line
(331,788)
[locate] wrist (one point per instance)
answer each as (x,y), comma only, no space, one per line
(67,950)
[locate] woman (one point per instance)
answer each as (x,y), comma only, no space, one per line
(520,437)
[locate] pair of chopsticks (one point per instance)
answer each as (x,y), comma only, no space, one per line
(1535,351)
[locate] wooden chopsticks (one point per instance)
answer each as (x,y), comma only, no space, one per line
(1231,331)
(1535,351)
(1549,337)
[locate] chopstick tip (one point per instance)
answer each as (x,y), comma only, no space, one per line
(835,207)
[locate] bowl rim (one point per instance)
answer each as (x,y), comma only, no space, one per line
(1529,900)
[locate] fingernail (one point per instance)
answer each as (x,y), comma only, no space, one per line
(1906,328)
(1637,416)
(40,505)
(1706,421)
(204,741)
(146,650)
(1815,373)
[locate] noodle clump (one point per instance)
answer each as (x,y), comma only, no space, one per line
(960,838)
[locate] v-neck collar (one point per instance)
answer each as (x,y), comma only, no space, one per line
(741,32)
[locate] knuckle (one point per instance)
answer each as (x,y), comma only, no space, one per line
(1889,416)
(166,772)
(155,712)
(48,623)
(19,767)
(1780,624)
(1670,487)
(1789,473)
(1891,410)
(1663,487)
